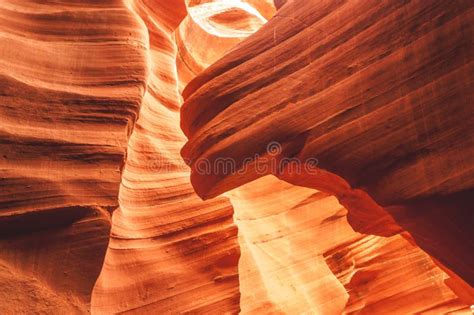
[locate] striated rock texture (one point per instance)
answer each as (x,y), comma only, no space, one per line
(217,24)
(370,100)
(170,252)
(382,98)
(68,112)
(300,255)
(71,80)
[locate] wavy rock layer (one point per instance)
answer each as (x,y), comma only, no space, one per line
(71,84)
(380,98)
(169,252)
(67,113)
(211,29)
(300,254)
(342,81)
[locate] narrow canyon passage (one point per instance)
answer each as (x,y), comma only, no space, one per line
(169,251)
(369,99)
(108,108)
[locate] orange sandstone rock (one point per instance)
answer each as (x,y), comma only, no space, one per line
(356,118)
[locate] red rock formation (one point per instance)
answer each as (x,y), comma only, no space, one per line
(67,114)
(299,246)
(378,93)
(217,24)
(380,98)
(170,252)
(70,90)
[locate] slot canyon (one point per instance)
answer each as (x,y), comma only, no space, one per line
(236,156)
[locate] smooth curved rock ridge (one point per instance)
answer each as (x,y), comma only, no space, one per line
(70,91)
(299,254)
(169,252)
(217,24)
(381,100)
(213,18)
(387,121)
(68,111)
(369,101)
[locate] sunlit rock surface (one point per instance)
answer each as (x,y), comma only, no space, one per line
(299,254)
(169,251)
(101,214)
(381,98)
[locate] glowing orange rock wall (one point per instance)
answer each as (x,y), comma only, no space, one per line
(299,254)
(169,252)
(68,111)
(380,98)
(97,210)
(71,79)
